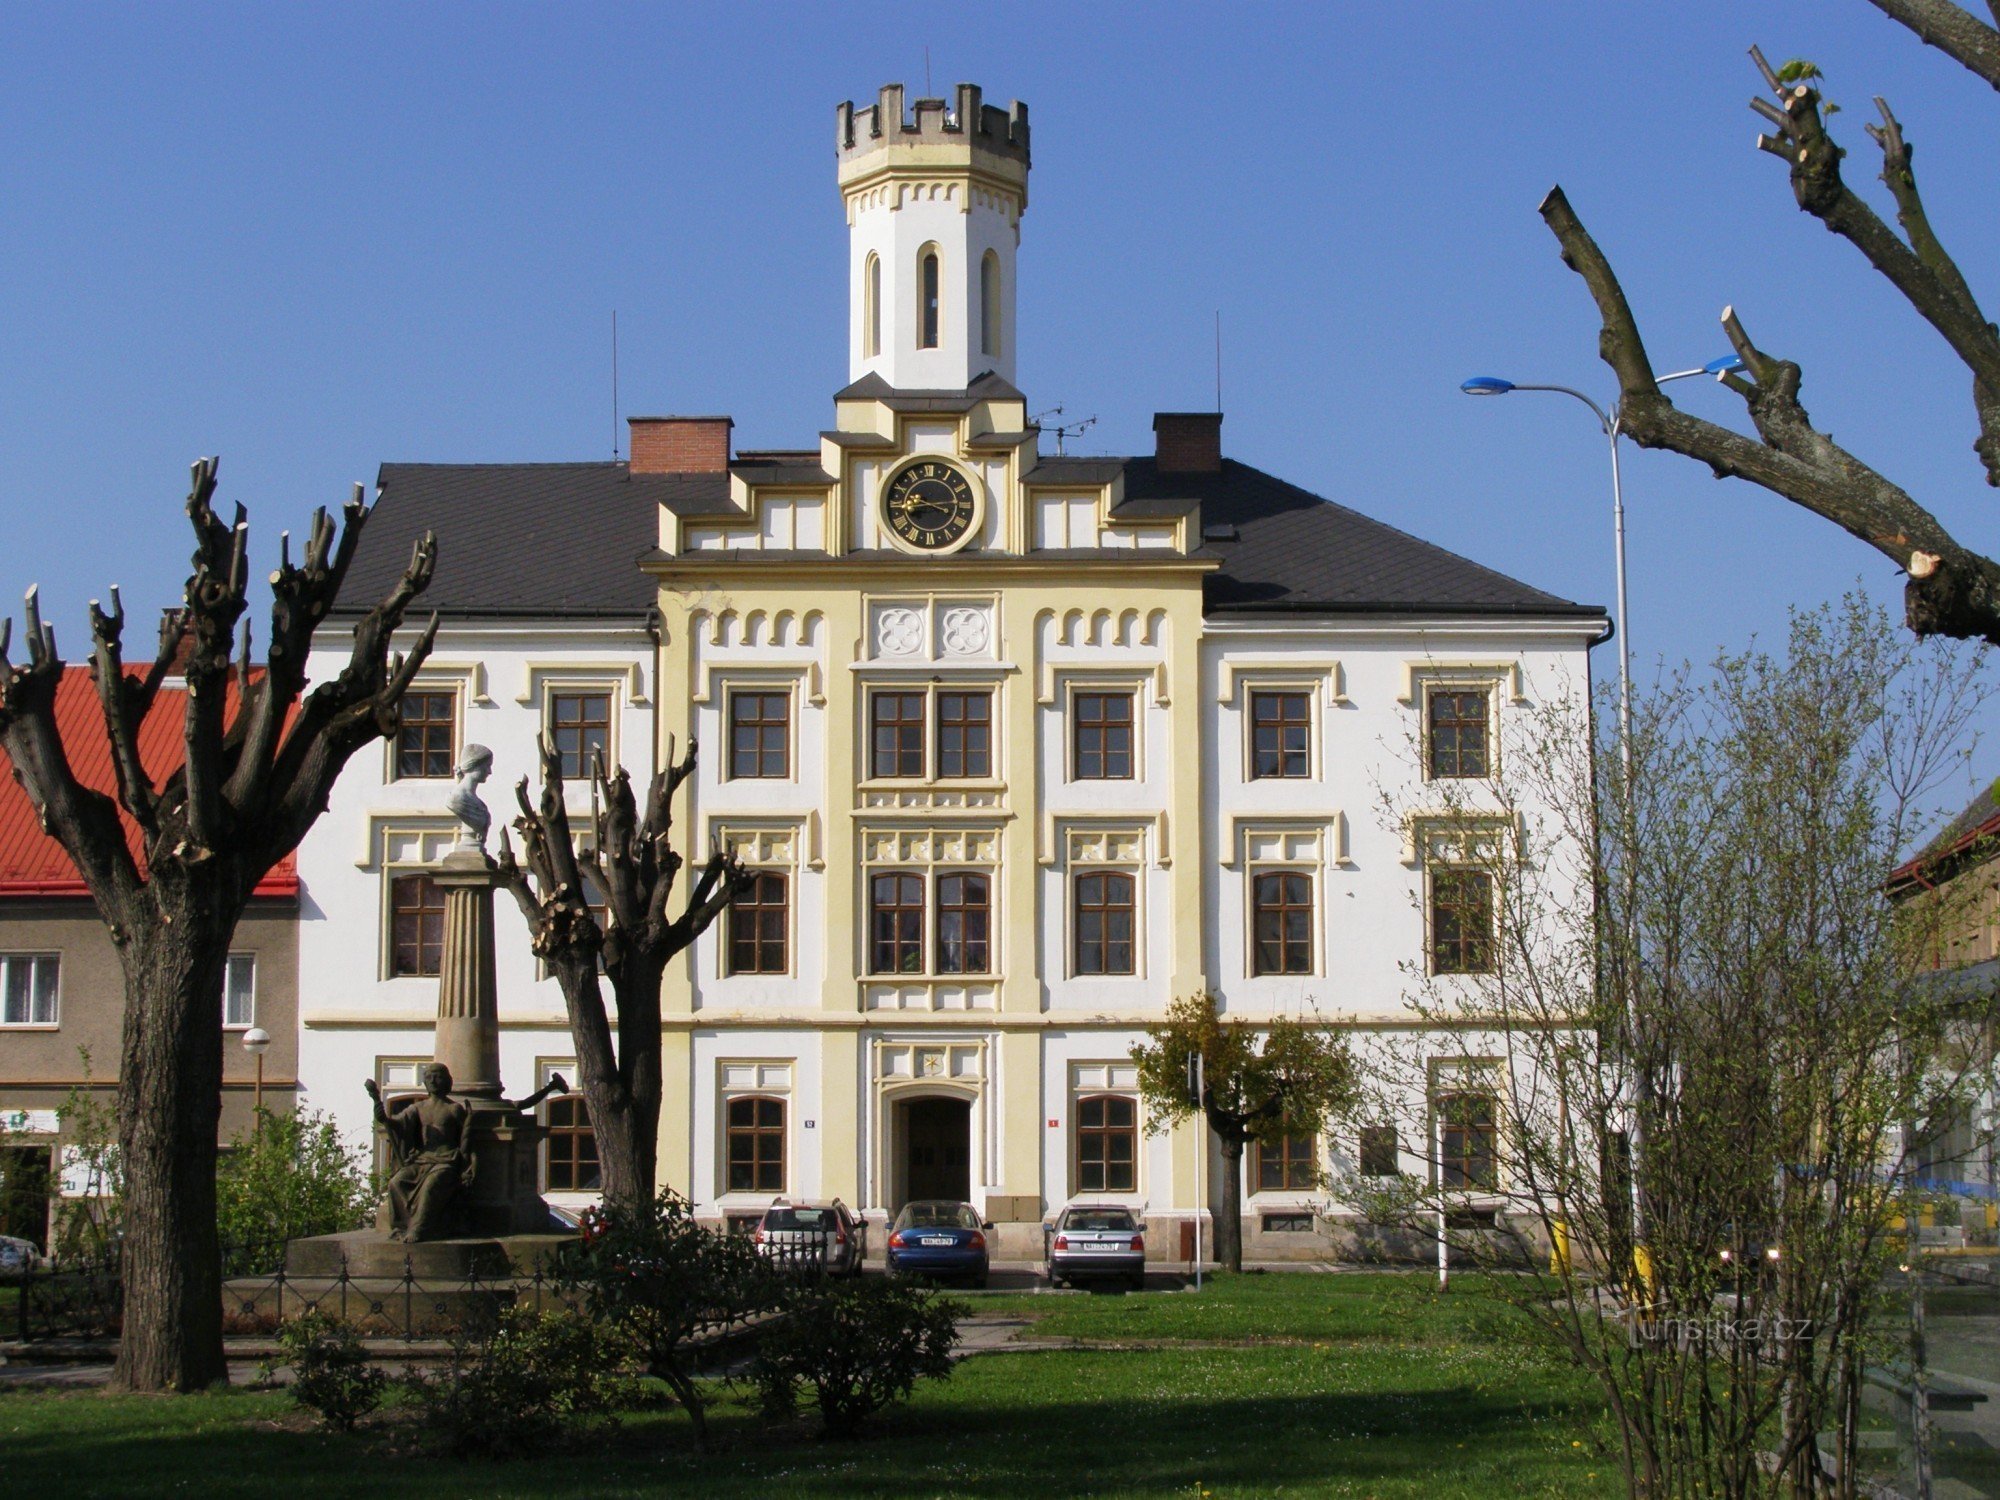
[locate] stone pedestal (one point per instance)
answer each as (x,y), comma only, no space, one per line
(468,1024)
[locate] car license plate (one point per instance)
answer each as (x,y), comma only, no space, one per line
(936,1239)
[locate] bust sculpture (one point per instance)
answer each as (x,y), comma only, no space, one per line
(465,803)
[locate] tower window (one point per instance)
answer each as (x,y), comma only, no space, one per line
(927,292)
(989,304)
(871,308)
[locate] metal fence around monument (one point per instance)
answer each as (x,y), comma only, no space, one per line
(82,1298)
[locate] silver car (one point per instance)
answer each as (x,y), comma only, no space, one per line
(812,1237)
(1097,1242)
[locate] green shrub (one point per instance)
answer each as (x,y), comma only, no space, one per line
(292,1176)
(858,1345)
(663,1280)
(331,1375)
(526,1387)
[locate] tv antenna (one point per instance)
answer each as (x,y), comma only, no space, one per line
(1063,430)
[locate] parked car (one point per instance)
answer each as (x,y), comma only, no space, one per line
(812,1236)
(1097,1242)
(18,1255)
(937,1237)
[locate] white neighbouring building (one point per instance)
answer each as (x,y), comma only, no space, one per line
(1023,747)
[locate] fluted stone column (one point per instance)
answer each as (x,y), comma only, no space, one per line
(468,1019)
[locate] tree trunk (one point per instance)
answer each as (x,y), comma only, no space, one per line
(169,1109)
(1228,1201)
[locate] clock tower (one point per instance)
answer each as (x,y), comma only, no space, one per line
(934,206)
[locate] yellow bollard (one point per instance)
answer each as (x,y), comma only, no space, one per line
(1558,1248)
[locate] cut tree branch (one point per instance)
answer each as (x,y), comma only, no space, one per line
(1922,270)
(1952,30)
(1951,591)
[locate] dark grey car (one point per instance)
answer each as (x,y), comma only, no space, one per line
(1097,1242)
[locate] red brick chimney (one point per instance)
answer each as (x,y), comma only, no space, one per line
(1188,442)
(680,445)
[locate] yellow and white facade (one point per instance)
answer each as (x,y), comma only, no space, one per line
(1024,747)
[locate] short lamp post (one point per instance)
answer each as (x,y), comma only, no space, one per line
(257,1041)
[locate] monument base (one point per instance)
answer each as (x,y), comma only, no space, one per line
(370,1254)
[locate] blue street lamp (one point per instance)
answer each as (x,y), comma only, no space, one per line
(1493,385)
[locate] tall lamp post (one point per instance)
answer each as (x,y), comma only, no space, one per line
(256,1041)
(1612,425)
(1610,422)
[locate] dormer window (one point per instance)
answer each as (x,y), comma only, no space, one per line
(927,294)
(989,304)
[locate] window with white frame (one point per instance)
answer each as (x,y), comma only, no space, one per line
(1462,861)
(753,1128)
(1103,734)
(1281,726)
(1458,731)
(29,989)
(1104,1127)
(412,932)
(426,734)
(929,897)
(934,732)
(239,992)
(1105,929)
(579,728)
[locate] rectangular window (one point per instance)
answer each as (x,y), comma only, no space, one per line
(1378,1154)
(896,924)
(416,915)
(964,734)
(580,727)
(1105,921)
(1280,735)
(1458,729)
(1101,736)
(896,721)
(760,736)
(1282,924)
(426,727)
(755,1145)
(757,923)
(964,917)
(239,992)
(1286,1165)
(571,1147)
(1288,1223)
(1461,922)
(1107,1144)
(28,988)
(1468,1155)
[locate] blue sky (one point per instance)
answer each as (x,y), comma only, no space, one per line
(311,239)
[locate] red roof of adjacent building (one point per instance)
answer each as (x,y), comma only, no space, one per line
(32,863)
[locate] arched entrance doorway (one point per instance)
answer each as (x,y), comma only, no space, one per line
(932,1145)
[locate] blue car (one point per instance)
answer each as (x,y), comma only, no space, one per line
(936,1237)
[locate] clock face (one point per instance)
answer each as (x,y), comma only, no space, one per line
(930,505)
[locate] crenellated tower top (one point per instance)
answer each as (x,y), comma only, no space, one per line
(934,202)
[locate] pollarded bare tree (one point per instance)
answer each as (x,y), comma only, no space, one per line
(1952,589)
(257,765)
(631,862)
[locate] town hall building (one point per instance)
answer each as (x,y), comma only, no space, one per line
(1021,748)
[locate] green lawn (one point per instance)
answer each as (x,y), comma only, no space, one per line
(1388,1392)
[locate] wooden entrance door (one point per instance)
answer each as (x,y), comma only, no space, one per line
(937,1145)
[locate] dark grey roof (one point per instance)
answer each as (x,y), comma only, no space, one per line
(555,539)
(1297,551)
(985,387)
(514,539)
